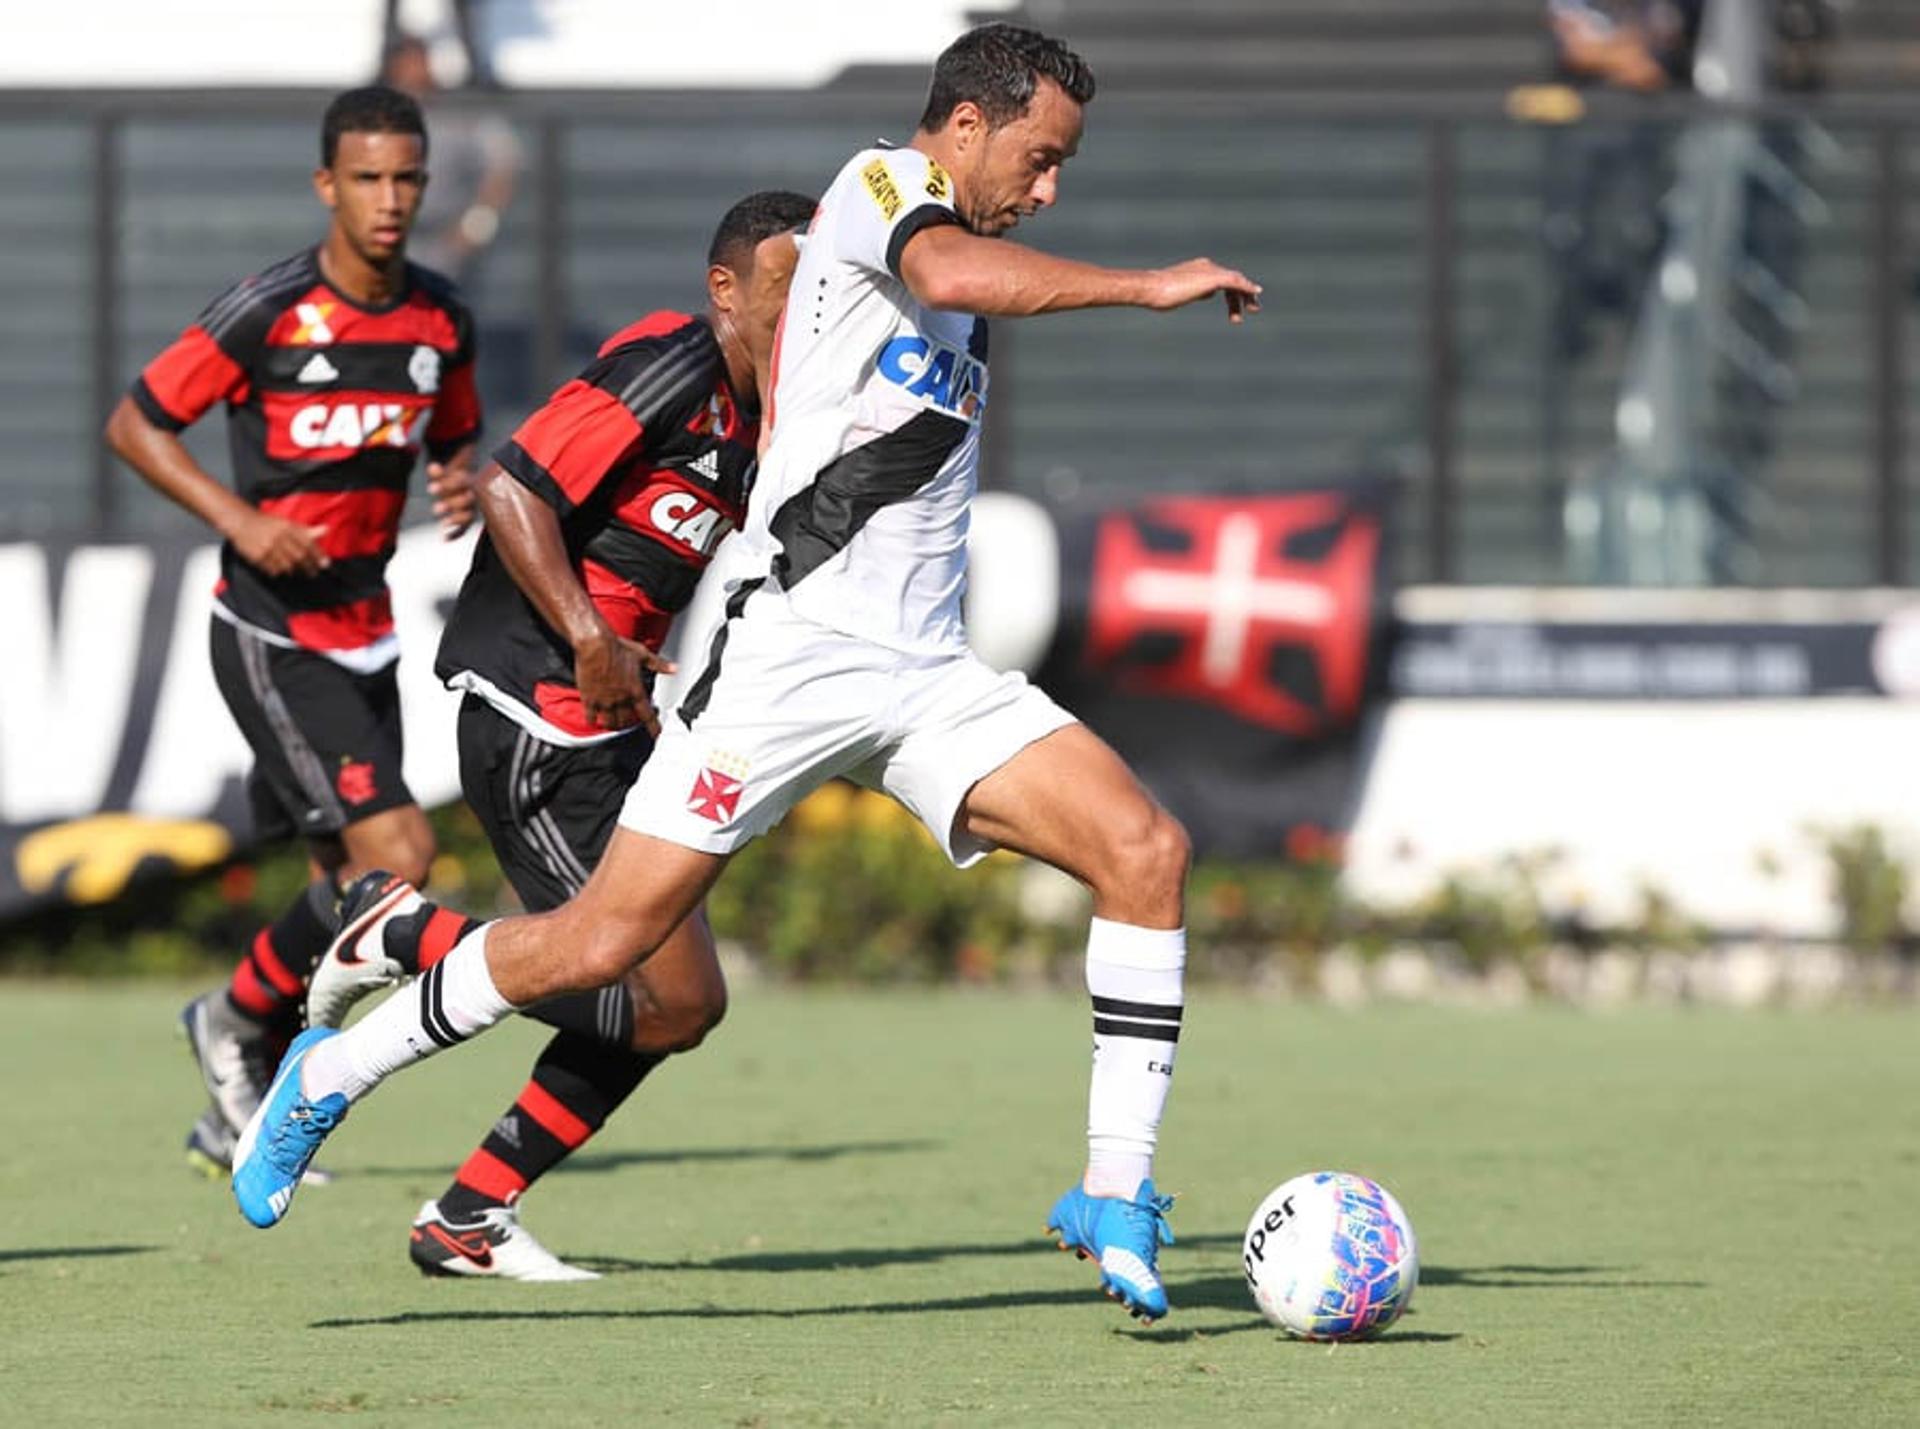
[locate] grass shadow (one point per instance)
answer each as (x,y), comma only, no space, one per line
(1230,1293)
(1543,1277)
(1183,1336)
(603,1161)
(73,1252)
(1215,1292)
(1223,1293)
(847,1258)
(1005,1300)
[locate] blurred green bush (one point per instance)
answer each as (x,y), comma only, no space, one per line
(850,887)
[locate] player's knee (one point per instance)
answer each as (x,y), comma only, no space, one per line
(404,849)
(681,1026)
(679,1019)
(603,954)
(1150,855)
(1175,849)
(707,1015)
(414,863)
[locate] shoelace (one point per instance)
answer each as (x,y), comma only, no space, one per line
(298,1137)
(1153,1212)
(504,1218)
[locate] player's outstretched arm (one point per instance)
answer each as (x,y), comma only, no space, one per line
(268,543)
(611,672)
(949,268)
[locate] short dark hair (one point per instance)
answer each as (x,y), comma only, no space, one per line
(997,67)
(753,220)
(372,109)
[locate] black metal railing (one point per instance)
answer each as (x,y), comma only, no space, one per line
(1410,296)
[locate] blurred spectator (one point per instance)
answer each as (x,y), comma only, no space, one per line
(474,160)
(1644,45)
(1804,31)
(1605,179)
(479,70)
(473,164)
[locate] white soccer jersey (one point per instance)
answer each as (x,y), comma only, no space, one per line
(860,512)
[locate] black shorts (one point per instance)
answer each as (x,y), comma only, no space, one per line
(548,809)
(326,742)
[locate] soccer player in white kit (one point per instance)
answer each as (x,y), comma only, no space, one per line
(844,653)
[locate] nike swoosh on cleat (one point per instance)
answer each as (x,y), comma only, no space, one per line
(470,1247)
(348,941)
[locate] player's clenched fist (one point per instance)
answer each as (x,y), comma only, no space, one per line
(279,547)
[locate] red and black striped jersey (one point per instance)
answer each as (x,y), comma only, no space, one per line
(647,458)
(328,406)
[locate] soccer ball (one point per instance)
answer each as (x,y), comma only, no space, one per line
(1331,1256)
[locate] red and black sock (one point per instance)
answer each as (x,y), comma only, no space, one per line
(577,1083)
(423,938)
(272,977)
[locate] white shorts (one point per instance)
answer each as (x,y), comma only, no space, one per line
(794,704)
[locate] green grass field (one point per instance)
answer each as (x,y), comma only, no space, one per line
(832,1214)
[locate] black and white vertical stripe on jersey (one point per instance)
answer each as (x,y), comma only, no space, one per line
(702,689)
(302,758)
(816,523)
(536,825)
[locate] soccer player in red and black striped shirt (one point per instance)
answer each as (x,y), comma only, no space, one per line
(337,367)
(602,512)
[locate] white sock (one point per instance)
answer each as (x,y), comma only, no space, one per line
(1134,976)
(444,1006)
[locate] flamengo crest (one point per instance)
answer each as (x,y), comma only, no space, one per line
(424,368)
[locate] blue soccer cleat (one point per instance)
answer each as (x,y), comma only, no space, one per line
(1123,1238)
(278,1143)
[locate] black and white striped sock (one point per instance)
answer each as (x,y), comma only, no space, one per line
(444,1006)
(1134,976)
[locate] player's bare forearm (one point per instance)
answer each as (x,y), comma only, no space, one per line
(526,532)
(611,672)
(276,546)
(951,269)
(165,464)
(450,483)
